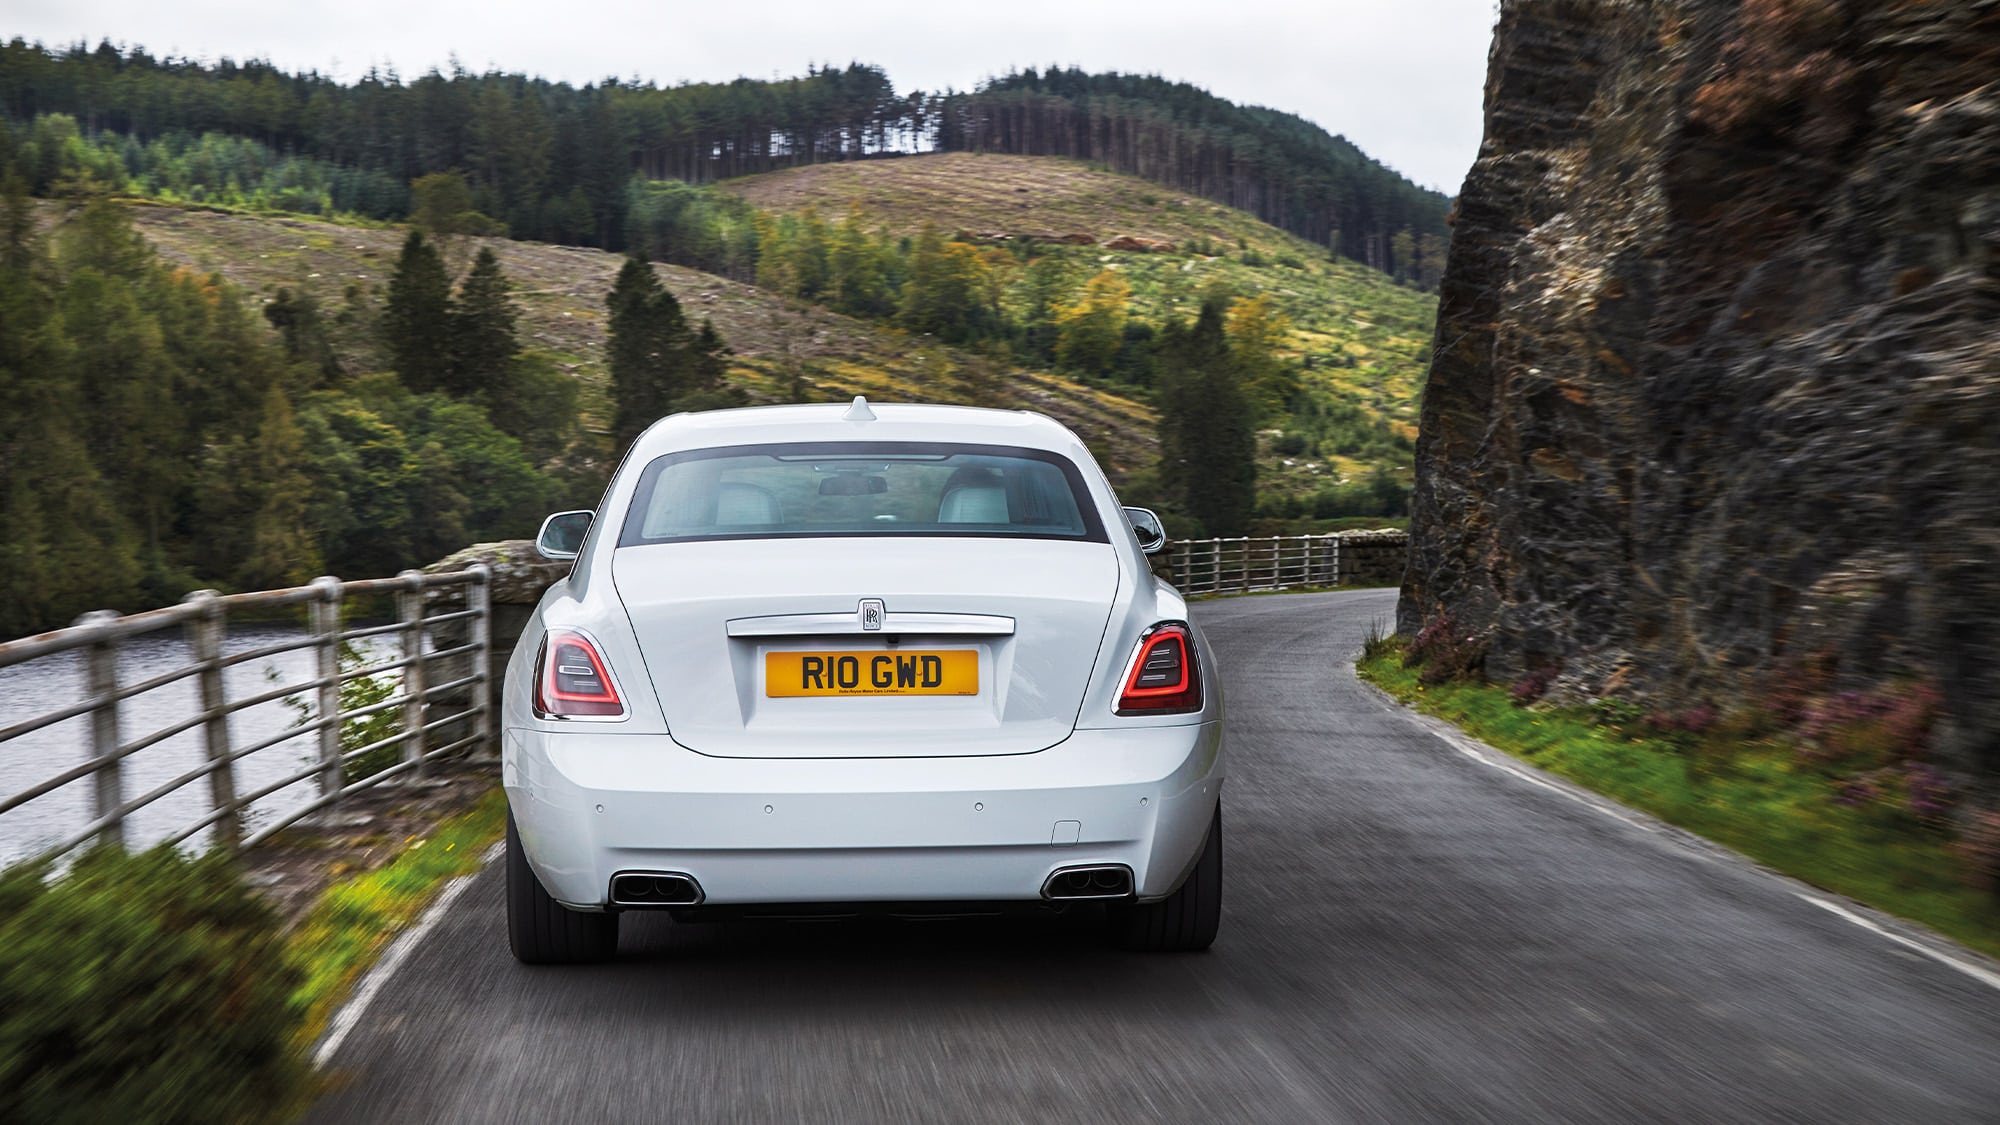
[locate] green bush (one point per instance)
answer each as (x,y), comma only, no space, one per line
(145,988)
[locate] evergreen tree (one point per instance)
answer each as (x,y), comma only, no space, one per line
(417,323)
(860,277)
(283,550)
(1208,447)
(483,340)
(297,318)
(1045,287)
(810,253)
(649,342)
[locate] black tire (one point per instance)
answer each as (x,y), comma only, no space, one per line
(1185,921)
(542,931)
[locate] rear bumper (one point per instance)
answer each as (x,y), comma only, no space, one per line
(967,829)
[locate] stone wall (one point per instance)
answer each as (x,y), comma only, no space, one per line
(1716,395)
(520,578)
(1373,558)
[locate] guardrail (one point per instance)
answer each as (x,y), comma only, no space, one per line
(1284,562)
(204,616)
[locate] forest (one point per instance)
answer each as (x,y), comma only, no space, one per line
(157,436)
(553,162)
(162,430)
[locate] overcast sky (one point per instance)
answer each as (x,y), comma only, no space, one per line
(1400,78)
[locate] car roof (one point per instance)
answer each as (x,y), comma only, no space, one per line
(859,420)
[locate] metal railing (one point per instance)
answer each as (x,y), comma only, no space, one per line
(461,646)
(1247,565)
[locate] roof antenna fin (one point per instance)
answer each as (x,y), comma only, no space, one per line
(859,412)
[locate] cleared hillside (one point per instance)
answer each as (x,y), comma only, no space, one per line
(989,196)
(785,351)
(1359,340)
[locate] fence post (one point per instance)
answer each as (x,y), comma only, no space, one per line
(1339,579)
(410,608)
(101,669)
(208,627)
(324,615)
(479,598)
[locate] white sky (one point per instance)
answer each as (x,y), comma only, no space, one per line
(1400,78)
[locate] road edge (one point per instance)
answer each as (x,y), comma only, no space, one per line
(348,1016)
(1902,932)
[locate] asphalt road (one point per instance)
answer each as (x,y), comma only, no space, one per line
(1408,935)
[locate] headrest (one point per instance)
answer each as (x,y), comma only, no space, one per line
(739,505)
(974,505)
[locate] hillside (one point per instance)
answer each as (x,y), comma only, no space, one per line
(554,162)
(1359,341)
(989,195)
(783,349)
(1284,169)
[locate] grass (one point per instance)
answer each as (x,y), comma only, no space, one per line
(1749,795)
(342,934)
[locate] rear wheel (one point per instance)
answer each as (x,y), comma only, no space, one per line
(541,930)
(1185,921)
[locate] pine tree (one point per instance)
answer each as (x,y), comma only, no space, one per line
(1208,448)
(297,318)
(416,325)
(649,339)
(483,340)
(283,550)
(860,279)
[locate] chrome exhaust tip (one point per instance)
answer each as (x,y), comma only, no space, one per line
(1093,881)
(654,888)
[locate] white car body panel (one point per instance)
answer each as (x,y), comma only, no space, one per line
(897,799)
(711,687)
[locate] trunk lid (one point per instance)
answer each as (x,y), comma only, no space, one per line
(729,630)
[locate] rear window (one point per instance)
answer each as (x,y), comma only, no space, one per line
(860,488)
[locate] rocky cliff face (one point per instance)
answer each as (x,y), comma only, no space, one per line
(1716,395)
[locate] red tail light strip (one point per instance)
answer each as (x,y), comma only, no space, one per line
(1165,674)
(572,680)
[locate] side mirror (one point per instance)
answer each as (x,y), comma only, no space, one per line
(562,535)
(1146,525)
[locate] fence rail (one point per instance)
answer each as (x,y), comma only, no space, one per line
(1281,562)
(463,645)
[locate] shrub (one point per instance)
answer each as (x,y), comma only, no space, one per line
(144,988)
(1534,685)
(1446,652)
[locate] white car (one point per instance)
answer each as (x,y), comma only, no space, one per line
(839,658)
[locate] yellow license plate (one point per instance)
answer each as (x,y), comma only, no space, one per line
(901,672)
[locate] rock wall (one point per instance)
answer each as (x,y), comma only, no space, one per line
(1717,381)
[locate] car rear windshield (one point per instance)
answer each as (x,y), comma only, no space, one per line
(860,488)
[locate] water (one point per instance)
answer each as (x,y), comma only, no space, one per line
(53,682)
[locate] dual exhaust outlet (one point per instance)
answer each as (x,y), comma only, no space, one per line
(1096,881)
(643,889)
(654,888)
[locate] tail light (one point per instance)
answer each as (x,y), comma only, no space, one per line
(1165,677)
(572,680)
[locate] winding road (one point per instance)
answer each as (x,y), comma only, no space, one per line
(1408,935)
